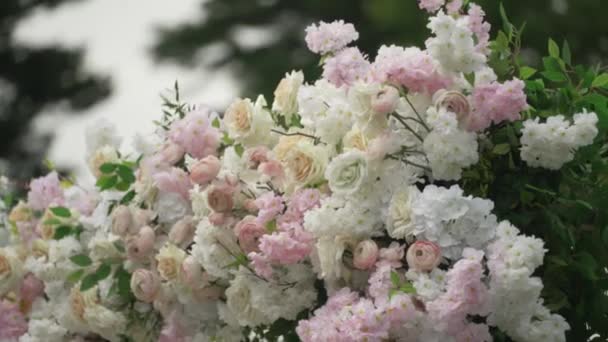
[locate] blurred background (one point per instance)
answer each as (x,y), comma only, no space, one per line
(66,63)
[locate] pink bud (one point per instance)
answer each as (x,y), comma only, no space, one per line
(182,231)
(257,155)
(31,288)
(171,153)
(365,254)
(193,274)
(249,233)
(121,220)
(219,198)
(423,255)
(271,168)
(145,285)
(205,170)
(141,217)
(140,246)
(386,100)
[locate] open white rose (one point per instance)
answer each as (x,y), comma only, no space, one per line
(305,163)
(249,123)
(347,172)
(286,94)
(400,225)
(170,259)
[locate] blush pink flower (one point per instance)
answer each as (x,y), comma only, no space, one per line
(219,197)
(249,232)
(31,288)
(256,156)
(423,255)
(196,134)
(174,180)
(287,247)
(386,100)
(172,331)
(411,67)
(12,321)
(205,170)
(171,153)
(45,191)
(430,5)
(330,37)
(480,28)
(304,200)
(346,67)
(269,205)
(365,254)
(272,168)
(260,264)
(495,103)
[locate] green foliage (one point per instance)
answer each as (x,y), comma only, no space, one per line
(117,176)
(566,208)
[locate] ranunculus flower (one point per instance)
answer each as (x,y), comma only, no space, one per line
(386,100)
(248,122)
(423,255)
(249,232)
(121,220)
(205,170)
(31,288)
(145,285)
(365,254)
(219,198)
(455,102)
(182,231)
(347,172)
(305,163)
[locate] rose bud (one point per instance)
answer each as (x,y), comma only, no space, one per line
(141,217)
(256,156)
(453,101)
(182,231)
(219,198)
(249,232)
(121,220)
(171,153)
(192,273)
(145,285)
(423,256)
(140,246)
(386,100)
(365,254)
(205,170)
(272,169)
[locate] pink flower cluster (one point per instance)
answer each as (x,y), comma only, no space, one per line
(346,67)
(410,67)
(12,321)
(466,294)
(496,102)
(174,180)
(45,191)
(479,27)
(195,133)
(330,37)
(431,5)
(290,243)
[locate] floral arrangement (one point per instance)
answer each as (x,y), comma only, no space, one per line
(353,208)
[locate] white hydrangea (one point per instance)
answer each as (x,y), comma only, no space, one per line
(552,144)
(399,223)
(44,330)
(428,285)
(448,154)
(452,220)
(453,45)
(171,207)
(215,248)
(56,266)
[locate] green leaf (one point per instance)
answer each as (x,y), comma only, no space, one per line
(75,276)
(407,287)
(501,149)
(239,149)
(81,260)
(107,168)
(123,281)
(600,81)
(61,211)
(127,197)
(506,24)
(52,221)
(271,226)
(88,282)
(395,279)
(553,49)
(526,72)
(125,173)
(216,123)
(106,182)
(555,76)
(566,54)
(61,232)
(103,271)
(122,186)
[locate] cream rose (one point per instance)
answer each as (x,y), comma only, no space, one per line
(286,94)
(423,256)
(399,225)
(169,260)
(11,270)
(80,301)
(104,154)
(347,172)
(249,123)
(145,285)
(305,163)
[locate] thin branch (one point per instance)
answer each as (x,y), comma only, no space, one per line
(400,119)
(316,139)
(417,114)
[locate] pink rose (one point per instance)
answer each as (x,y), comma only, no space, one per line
(272,169)
(386,100)
(257,155)
(205,170)
(145,285)
(140,246)
(31,288)
(171,153)
(219,198)
(249,232)
(250,206)
(218,219)
(182,231)
(192,273)
(365,254)
(121,220)
(141,217)
(423,256)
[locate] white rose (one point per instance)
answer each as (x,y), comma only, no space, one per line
(400,225)
(171,207)
(11,269)
(305,163)
(170,259)
(104,154)
(346,172)
(249,123)
(286,94)
(107,323)
(239,302)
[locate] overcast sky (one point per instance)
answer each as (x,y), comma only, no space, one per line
(116,35)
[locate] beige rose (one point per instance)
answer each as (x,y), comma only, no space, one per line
(170,259)
(238,117)
(305,163)
(453,101)
(145,285)
(286,94)
(182,231)
(80,301)
(103,155)
(20,213)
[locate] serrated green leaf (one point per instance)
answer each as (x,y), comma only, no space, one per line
(107,167)
(61,212)
(88,282)
(526,72)
(501,149)
(62,231)
(553,48)
(600,81)
(106,182)
(103,271)
(81,260)
(75,276)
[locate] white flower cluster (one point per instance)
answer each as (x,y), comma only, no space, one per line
(512,259)
(552,144)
